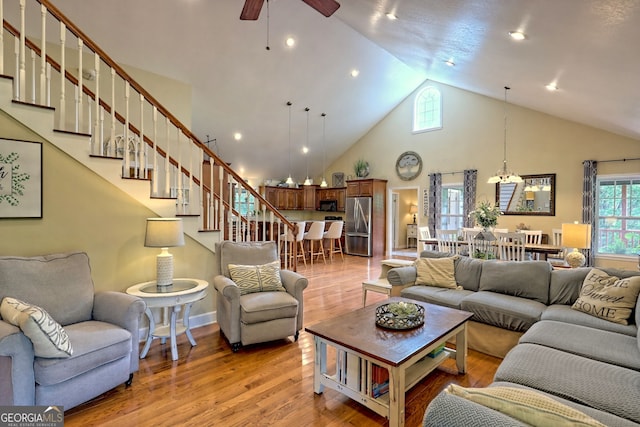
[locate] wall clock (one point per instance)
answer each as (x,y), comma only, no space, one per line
(408,165)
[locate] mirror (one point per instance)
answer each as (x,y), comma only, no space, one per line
(536,195)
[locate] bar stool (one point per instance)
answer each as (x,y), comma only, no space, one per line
(333,234)
(315,234)
(288,239)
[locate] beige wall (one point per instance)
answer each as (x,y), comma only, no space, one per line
(472,138)
(83,212)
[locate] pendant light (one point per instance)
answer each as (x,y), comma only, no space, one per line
(504,176)
(307,181)
(324,184)
(289,180)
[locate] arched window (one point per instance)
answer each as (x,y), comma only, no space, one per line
(427,111)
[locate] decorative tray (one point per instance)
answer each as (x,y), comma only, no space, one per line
(400,315)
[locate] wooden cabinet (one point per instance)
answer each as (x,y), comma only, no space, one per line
(361,187)
(412,235)
(284,198)
(338,194)
(309,202)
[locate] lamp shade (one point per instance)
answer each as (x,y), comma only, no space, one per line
(576,236)
(164,233)
(413,209)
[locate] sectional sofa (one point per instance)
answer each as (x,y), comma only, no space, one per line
(530,314)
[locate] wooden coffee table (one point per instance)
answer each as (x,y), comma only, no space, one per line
(359,344)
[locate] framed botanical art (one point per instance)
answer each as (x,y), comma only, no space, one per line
(20,179)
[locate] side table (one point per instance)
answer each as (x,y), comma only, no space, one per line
(183,292)
(381,284)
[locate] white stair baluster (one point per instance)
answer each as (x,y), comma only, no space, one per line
(79,112)
(112,132)
(22,77)
(63,35)
(125,144)
(96,137)
(154,182)
(43,55)
(33,76)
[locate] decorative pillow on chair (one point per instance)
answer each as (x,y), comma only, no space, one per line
(525,405)
(439,272)
(48,338)
(608,297)
(257,278)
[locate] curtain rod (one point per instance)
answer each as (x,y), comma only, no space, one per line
(618,160)
(448,173)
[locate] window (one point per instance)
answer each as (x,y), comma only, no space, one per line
(618,215)
(244,202)
(452,214)
(427,111)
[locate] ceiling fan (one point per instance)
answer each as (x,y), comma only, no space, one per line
(252,8)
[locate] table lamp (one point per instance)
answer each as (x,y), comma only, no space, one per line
(413,209)
(164,233)
(576,236)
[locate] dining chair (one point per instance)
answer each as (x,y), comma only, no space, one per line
(287,239)
(556,240)
(482,248)
(447,241)
(468,233)
(315,234)
(511,246)
(334,234)
(533,237)
(424,234)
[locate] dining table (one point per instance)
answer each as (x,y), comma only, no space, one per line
(542,249)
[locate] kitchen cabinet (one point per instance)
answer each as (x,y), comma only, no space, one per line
(309,202)
(338,194)
(376,189)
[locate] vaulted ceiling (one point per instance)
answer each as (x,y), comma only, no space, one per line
(585,47)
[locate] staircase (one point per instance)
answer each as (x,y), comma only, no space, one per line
(60,84)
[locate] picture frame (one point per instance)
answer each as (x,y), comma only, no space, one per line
(337,179)
(20,179)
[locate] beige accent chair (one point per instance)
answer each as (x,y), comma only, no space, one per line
(260,316)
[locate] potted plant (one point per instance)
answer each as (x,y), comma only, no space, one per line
(361,168)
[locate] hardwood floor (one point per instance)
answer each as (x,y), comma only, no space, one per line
(267,384)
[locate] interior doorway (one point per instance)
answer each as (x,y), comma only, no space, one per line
(400,219)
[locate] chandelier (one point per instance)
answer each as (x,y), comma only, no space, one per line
(504,175)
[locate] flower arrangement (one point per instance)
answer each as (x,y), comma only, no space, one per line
(486,214)
(403,309)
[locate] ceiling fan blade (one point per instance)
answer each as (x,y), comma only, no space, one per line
(251,10)
(325,7)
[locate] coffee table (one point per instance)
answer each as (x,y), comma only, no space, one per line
(359,344)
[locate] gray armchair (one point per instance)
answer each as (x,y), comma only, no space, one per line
(102,328)
(256,317)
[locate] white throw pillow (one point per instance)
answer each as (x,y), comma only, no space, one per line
(48,337)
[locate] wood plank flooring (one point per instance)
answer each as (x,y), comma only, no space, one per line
(263,385)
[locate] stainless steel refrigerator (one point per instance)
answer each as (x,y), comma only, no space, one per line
(358,226)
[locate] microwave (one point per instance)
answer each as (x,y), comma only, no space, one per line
(328,206)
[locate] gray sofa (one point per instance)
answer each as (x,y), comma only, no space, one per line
(584,362)
(102,328)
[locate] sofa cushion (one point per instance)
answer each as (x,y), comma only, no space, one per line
(440,296)
(603,386)
(260,307)
(564,313)
(565,285)
(608,297)
(504,311)
(605,418)
(529,406)
(48,337)
(257,278)
(51,282)
(439,272)
(584,341)
(468,271)
(95,344)
(524,279)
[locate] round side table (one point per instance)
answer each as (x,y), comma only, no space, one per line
(183,292)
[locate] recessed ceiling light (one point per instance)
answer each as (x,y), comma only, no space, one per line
(551,87)
(290,42)
(450,63)
(237,136)
(354,73)
(391,16)
(305,150)
(517,35)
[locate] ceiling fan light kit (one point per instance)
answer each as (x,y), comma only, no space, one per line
(252,8)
